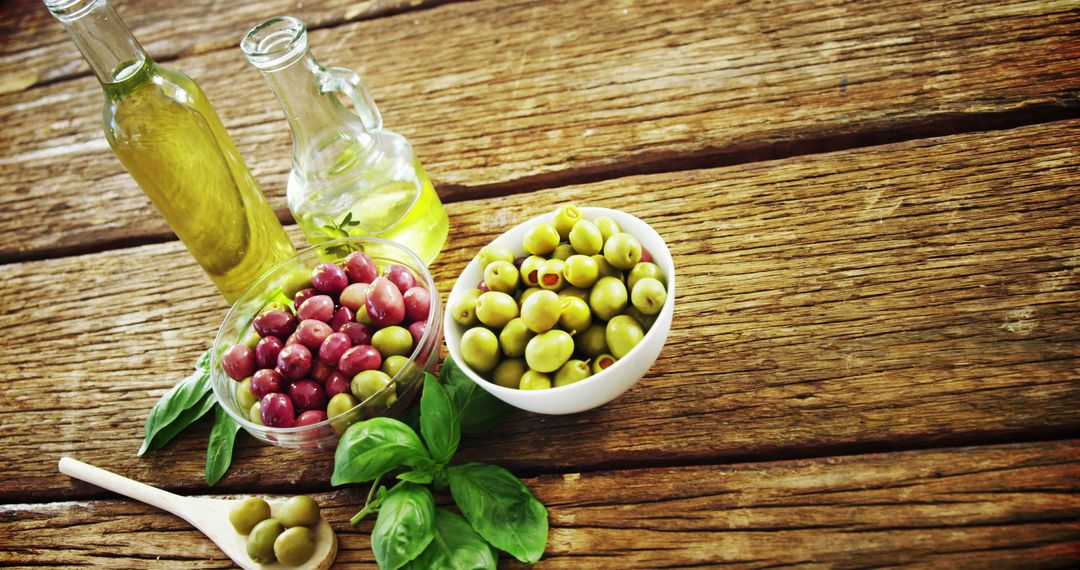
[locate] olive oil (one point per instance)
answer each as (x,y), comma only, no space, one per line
(164,130)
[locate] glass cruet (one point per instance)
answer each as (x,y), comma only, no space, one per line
(350,176)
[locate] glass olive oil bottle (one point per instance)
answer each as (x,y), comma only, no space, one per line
(165,132)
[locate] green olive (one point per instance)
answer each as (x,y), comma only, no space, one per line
(295,280)
(392,340)
(393,364)
(369,383)
(602,362)
(501,276)
(354,296)
(255,414)
(604,269)
(340,405)
(581,271)
(572,371)
(547,351)
(623,251)
(648,295)
(565,218)
(540,311)
(608,227)
(641,270)
(592,341)
(247,513)
(508,373)
(607,298)
(260,543)
(362,317)
(299,511)
(526,293)
(586,238)
(480,349)
(563,251)
(530,270)
(513,338)
(622,335)
(495,309)
(646,321)
(551,274)
(464,309)
(575,292)
(492,252)
(541,239)
(533,380)
(244,398)
(251,338)
(294,546)
(574,314)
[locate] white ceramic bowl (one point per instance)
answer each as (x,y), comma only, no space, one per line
(597,389)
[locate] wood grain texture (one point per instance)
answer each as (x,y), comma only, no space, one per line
(909,295)
(1001,506)
(501,95)
(34,47)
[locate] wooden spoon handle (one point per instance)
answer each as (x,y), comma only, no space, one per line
(163,500)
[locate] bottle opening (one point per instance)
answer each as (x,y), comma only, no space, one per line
(275,43)
(68,10)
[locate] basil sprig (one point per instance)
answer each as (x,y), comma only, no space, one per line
(181,406)
(409,532)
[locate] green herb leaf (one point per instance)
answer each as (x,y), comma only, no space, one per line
(185,419)
(439,422)
(373,447)
(186,394)
(219,449)
(406,525)
(477,409)
(501,508)
(423,473)
(456,546)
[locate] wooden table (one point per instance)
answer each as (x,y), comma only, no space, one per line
(874,210)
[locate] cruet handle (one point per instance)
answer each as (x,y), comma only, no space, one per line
(347,81)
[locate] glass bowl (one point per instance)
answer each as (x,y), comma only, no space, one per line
(278,285)
(599,388)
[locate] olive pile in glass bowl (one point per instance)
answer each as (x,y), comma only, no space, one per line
(339,333)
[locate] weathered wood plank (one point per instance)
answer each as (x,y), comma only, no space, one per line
(35,49)
(498,95)
(1014,506)
(915,294)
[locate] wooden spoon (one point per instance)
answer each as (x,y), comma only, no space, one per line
(210,516)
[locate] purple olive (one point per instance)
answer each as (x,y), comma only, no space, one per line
(238,362)
(329,278)
(385,305)
(318,307)
(294,361)
(358,359)
(265,381)
(266,351)
(417,303)
(417,330)
(303,295)
(336,384)
(354,296)
(321,371)
(307,395)
(276,410)
(310,417)
(333,347)
(403,278)
(312,333)
(359,333)
(341,317)
(275,323)
(360,267)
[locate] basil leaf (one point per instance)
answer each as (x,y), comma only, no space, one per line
(185,394)
(186,418)
(373,447)
(423,472)
(439,422)
(219,449)
(501,508)
(456,546)
(478,409)
(405,526)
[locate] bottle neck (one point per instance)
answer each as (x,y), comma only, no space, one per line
(310,112)
(105,42)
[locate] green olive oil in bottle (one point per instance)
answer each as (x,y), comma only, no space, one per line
(165,132)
